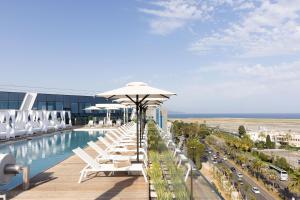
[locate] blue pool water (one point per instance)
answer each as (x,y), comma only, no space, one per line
(43,152)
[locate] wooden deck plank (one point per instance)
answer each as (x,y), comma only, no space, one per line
(60,182)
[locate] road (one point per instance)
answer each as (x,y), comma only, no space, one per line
(247,180)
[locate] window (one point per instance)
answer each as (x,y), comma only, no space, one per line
(14,96)
(59,106)
(81,107)
(14,105)
(42,105)
(51,105)
(50,97)
(3,96)
(74,107)
(3,104)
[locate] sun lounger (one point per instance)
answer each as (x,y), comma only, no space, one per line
(94,166)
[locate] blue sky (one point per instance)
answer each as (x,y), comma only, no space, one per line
(219,56)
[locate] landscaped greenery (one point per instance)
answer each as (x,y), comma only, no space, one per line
(163,168)
(190,130)
(193,132)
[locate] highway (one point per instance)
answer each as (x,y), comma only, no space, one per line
(247,180)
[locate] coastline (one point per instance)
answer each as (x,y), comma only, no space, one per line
(232,124)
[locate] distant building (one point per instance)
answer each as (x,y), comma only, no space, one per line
(279,137)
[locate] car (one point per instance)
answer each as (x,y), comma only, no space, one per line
(240,180)
(255,190)
(224,158)
(209,152)
(232,169)
(240,175)
(215,162)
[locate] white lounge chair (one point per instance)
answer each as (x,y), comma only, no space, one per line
(104,156)
(90,123)
(94,166)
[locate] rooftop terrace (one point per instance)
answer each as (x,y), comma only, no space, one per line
(60,182)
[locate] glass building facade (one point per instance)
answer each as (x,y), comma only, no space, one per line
(74,103)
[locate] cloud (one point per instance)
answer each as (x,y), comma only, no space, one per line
(170,15)
(270,29)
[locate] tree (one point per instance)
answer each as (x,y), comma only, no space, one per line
(242,130)
(195,151)
(269,143)
(295,183)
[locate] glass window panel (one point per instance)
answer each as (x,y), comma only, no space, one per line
(74,107)
(3,96)
(14,96)
(51,105)
(81,107)
(51,97)
(3,104)
(74,99)
(59,106)
(42,105)
(41,97)
(13,105)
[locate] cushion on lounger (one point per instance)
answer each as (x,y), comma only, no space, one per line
(122,163)
(128,153)
(131,147)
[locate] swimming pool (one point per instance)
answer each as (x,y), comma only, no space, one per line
(43,152)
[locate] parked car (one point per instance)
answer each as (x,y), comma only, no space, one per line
(224,158)
(232,169)
(255,190)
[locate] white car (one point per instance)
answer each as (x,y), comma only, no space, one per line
(240,175)
(224,158)
(255,190)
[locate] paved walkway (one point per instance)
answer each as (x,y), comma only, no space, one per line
(60,182)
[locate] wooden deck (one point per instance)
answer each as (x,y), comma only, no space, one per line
(61,182)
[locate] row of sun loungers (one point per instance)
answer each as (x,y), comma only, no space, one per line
(120,150)
(103,123)
(16,123)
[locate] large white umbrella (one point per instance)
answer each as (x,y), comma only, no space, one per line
(137,92)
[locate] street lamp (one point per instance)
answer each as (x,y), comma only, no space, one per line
(193,158)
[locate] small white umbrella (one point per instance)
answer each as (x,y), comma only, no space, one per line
(92,108)
(108,108)
(137,92)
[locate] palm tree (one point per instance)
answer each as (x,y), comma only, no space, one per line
(295,183)
(257,166)
(272,175)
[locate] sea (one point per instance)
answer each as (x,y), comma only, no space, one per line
(238,115)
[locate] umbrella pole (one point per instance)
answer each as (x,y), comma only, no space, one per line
(141,125)
(137,127)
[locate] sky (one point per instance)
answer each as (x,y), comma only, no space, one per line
(219,56)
